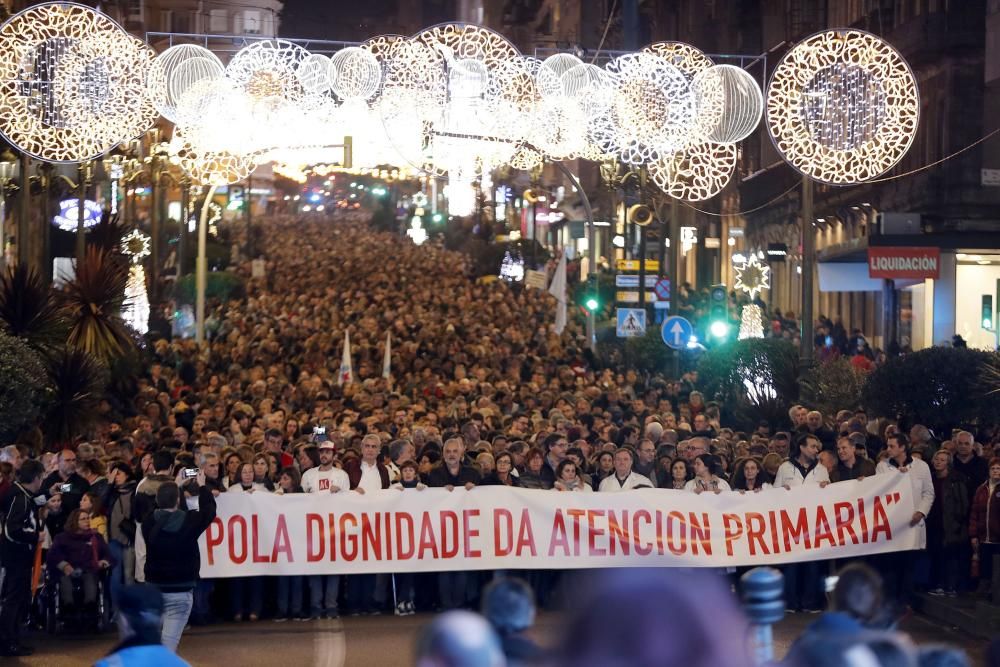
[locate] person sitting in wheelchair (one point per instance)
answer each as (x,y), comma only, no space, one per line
(78,557)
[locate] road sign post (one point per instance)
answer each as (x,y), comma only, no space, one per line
(676,332)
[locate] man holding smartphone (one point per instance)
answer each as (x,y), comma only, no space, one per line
(65,480)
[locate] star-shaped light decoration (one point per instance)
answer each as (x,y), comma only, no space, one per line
(135,245)
(752,276)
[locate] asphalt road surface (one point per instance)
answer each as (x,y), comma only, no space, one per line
(366,641)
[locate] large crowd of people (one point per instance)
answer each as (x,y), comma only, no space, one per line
(481,392)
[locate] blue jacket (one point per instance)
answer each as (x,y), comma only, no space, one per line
(142,656)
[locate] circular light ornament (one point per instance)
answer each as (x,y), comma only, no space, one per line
(355,74)
(314,74)
(731,98)
(71,82)
(552,70)
(696,173)
(217,116)
(175,70)
(268,68)
(652,111)
(689,60)
(209,167)
(466,41)
(843,107)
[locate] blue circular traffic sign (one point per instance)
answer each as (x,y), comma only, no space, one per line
(676,332)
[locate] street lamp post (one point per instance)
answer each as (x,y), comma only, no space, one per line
(83,177)
(201,267)
(8,171)
(23,207)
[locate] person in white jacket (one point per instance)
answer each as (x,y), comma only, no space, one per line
(623,478)
(897,568)
(802,580)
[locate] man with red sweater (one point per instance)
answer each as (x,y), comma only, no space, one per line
(367,475)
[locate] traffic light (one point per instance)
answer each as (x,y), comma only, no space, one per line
(987,316)
(592,301)
(718,312)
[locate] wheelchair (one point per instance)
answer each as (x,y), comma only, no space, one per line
(55,617)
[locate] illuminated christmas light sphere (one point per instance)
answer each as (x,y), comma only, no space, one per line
(314,74)
(689,60)
(209,167)
(355,74)
(731,98)
(268,68)
(843,107)
(467,41)
(652,110)
(552,70)
(174,71)
(696,173)
(71,82)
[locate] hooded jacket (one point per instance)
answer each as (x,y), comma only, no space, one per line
(173,558)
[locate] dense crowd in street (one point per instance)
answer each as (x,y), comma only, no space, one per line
(481,392)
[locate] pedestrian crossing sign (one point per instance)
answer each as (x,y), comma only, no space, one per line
(631,322)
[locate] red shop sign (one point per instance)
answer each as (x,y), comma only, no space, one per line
(900,262)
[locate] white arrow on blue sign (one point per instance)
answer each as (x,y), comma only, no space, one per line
(676,332)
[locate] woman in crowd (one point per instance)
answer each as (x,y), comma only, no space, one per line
(289,587)
(409,479)
(78,555)
(749,475)
(232,461)
(771,462)
(947,524)
(247,593)
(262,471)
(91,503)
(121,526)
(531,478)
(605,465)
(502,476)
(680,474)
(568,477)
(706,475)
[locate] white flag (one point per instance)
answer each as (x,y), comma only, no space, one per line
(557,288)
(346,373)
(387,359)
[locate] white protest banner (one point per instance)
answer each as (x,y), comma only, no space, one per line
(493,527)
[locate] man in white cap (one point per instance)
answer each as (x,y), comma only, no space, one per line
(325,478)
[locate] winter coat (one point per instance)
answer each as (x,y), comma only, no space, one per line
(21,526)
(83,551)
(173,558)
(948,521)
(984,521)
(121,511)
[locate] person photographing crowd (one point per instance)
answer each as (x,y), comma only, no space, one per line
(173,558)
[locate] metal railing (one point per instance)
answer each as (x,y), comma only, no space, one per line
(230,44)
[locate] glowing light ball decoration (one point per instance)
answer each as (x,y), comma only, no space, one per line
(652,111)
(175,71)
(733,101)
(689,60)
(267,69)
(314,74)
(355,74)
(551,72)
(216,115)
(843,107)
(214,167)
(697,173)
(71,82)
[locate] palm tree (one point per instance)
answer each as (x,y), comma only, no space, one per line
(29,309)
(93,303)
(78,381)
